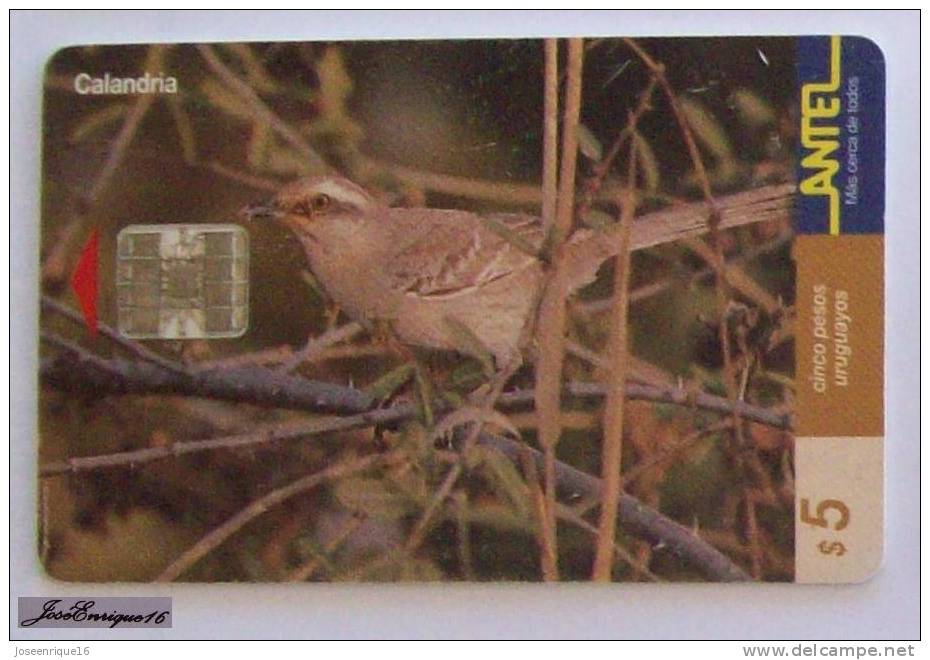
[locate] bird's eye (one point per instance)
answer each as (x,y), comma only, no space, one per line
(311,205)
(321,202)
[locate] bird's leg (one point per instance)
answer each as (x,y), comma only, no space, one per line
(383,334)
(331,313)
(412,367)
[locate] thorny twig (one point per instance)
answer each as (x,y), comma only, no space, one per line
(316,344)
(722,285)
(77,370)
(263,435)
(133,347)
(216,537)
(115,372)
(654,288)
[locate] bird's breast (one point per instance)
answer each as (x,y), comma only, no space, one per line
(352,278)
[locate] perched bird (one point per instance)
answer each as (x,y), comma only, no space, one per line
(453,279)
(438,278)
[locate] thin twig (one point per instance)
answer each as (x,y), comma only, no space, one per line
(56,263)
(614,400)
(280,354)
(565,202)
(654,288)
(637,518)
(386,416)
(77,370)
(262,111)
(258,387)
(592,186)
(418,534)
(257,182)
(463,534)
(219,535)
(619,551)
(680,397)
(263,435)
(552,313)
(545,508)
(306,570)
(135,348)
(182,123)
(550,133)
(538,497)
(316,345)
(722,285)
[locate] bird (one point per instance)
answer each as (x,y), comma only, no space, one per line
(440,279)
(458,280)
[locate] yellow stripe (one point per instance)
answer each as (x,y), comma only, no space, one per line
(835,51)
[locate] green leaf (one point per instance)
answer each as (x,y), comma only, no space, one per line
(420,570)
(223,98)
(509,235)
(467,415)
(412,484)
(471,344)
(707,130)
(505,479)
(425,391)
(416,441)
(467,375)
(589,146)
(596,219)
(390,382)
(647,162)
(94,121)
(255,72)
(752,109)
(372,497)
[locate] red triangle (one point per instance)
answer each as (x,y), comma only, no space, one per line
(84,281)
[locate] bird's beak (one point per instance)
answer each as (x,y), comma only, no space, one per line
(266,210)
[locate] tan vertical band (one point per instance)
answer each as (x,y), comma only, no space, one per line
(840,317)
(840,411)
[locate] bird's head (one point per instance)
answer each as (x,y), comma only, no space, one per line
(313,205)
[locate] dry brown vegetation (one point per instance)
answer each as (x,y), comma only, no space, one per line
(648,439)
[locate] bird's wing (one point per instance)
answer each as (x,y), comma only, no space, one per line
(450,253)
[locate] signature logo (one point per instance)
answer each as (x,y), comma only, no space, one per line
(84,612)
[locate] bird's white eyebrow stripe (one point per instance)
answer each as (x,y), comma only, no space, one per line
(343,194)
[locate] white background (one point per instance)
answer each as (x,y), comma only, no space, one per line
(885,607)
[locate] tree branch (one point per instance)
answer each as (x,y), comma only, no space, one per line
(261,111)
(769,203)
(637,518)
(74,369)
